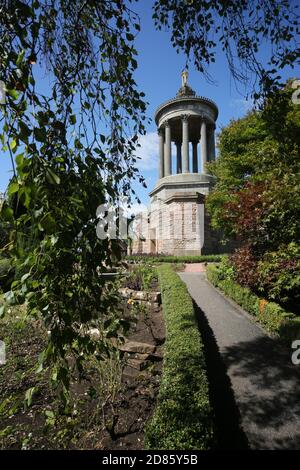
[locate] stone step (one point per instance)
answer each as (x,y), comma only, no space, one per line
(131,373)
(137,364)
(138,356)
(137,347)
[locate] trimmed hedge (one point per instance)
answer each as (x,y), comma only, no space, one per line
(273,317)
(183,418)
(175,259)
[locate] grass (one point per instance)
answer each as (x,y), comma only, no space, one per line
(183,419)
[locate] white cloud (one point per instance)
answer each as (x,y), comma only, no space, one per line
(148,151)
(132,208)
(135,209)
(241,104)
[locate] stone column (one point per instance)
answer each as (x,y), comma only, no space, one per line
(203,142)
(165,152)
(179,159)
(185,145)
(168,162)
(161,153)
(195,157)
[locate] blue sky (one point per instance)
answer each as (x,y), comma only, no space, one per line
(159,76)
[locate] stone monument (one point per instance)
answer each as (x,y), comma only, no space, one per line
(177,223)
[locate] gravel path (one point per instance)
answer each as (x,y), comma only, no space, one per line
(255,389)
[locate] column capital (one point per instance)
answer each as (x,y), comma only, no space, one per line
(204,118)
(185,117)
(166,123)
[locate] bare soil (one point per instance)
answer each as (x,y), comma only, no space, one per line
(119,424)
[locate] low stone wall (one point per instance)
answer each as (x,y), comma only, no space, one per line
(146,296)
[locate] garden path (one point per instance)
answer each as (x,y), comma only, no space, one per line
(254,387)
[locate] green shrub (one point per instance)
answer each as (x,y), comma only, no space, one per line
(273,317)
(141,277)
(175,259)
(183,417)
(279,275)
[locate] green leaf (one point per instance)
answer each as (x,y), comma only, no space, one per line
(86,105)
(24,131)
(48,223)
(50,417)
(20,58)
(13,93)
(54,374)
(2,311)
(40,367)
(78,144)
(40,134)
(51,177)
(24,277)
(13,188)
(19,160)
(13,144)
(73,119)
(7,213)
(25,195)
(29,395)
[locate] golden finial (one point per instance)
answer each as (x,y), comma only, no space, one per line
(184,77)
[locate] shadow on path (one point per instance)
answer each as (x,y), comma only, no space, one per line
(254,387)
(272,399)
(229,432)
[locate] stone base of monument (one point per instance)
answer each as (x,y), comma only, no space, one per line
(178,223)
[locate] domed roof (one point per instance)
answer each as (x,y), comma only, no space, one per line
(185,95)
